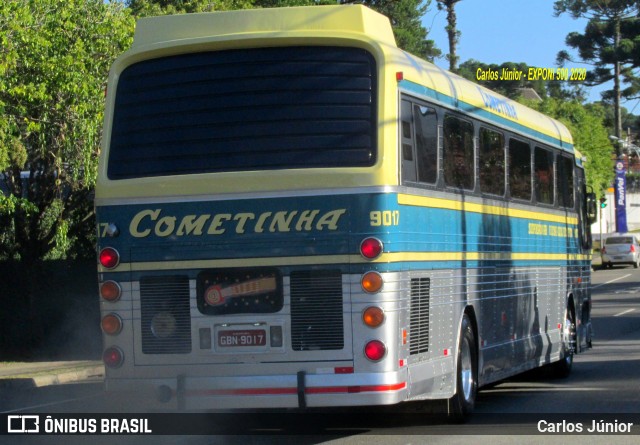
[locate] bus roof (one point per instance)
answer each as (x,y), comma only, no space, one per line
(247,23)
(434,83)
(352,22)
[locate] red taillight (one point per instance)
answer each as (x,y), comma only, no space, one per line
(109,257)
(633,249)
(375,350)
(110,291)
(371,248)
(113,357)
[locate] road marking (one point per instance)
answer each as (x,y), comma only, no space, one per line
(540,389)
(611,281)
(624,312)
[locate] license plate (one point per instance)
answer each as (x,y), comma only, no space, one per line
(239,338)
(618,258)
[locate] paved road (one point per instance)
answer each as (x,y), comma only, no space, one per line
(603,386)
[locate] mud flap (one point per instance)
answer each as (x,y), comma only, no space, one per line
(302,402)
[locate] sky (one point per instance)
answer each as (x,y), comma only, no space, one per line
(498,31)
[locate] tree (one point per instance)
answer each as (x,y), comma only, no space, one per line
(610,43)
(54,63)
(590,136)
(142,8)
(406,19)
(452,32)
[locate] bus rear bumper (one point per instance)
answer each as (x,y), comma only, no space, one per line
(291,391)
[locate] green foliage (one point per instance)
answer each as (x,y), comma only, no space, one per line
(406,19)
(590,136)
(142,8)
(54,61)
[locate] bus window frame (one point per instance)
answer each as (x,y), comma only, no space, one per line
(411,166)
(514,137)
(474,169)
(551,155)
(479,182)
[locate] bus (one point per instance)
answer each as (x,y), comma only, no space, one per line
(292,212)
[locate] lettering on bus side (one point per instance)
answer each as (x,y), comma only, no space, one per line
(154,222)
(498,105)
(552,230)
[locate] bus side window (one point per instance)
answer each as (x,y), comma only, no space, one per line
(458,153)
(544,175)
(426,123)
(406,124)
(491,162)
(519,169)
(565,182)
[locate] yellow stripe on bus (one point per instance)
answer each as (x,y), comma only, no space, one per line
(448,204)
(476,256)
(398,257)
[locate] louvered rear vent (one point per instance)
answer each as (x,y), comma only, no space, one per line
(419,318)
(166,317)
(316,311)
(245,109)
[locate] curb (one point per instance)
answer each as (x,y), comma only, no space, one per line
(92,373)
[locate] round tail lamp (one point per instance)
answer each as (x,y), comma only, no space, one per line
(375,350)
(109,257)
(371,248)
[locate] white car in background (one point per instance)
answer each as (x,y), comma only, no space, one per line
(622,248)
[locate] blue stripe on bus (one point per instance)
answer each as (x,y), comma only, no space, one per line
(417,229)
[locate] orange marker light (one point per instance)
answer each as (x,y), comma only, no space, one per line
(110,291)
(373,316)
(111,324)
(371,282)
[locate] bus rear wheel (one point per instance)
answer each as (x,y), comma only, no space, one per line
(562,368)
(463,401)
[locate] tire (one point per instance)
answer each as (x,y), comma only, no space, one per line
(562,368)
(461,405)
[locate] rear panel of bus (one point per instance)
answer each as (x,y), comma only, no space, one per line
(233,290)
